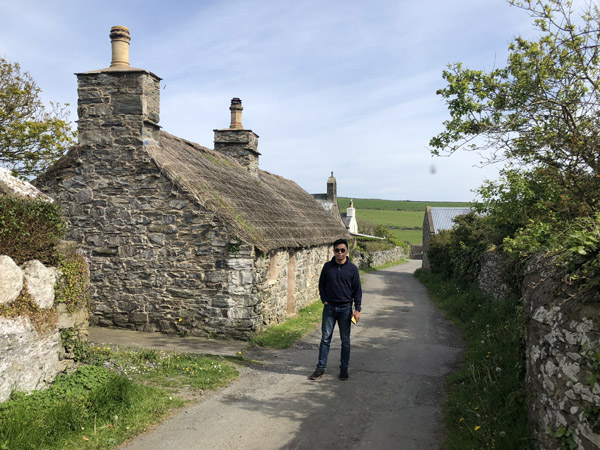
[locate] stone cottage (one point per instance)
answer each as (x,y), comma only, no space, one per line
(437,219)
(182,238)
(329,200)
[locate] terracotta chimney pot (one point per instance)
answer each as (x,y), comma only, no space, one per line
(119,38)
(236,114)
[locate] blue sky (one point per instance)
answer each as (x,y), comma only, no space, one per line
(343,86)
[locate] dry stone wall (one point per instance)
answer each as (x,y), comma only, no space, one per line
(563,351)
(31,357)
(373,259)
(562,354)
(490,280)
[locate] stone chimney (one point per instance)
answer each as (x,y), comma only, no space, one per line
(119,105)
(332,189)
(236,142)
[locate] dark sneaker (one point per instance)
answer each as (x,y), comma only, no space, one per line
(343,373)
(317,374)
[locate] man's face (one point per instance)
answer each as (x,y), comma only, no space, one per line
(341,251)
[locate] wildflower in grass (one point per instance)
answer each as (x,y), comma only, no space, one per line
(107,348)
(477,428)
(179,320)
(239,353)
(462,419)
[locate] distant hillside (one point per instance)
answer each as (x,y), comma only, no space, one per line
(404,219)
(395,205)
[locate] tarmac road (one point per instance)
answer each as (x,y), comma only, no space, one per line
(401,350)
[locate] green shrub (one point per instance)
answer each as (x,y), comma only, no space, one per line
(73,288)
(459,252)
(29,229)
(581,255)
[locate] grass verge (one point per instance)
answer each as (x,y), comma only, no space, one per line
(486,399)
(285,334)
(115,396)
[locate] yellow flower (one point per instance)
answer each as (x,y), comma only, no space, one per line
(107,348)
(180,319)
(98,348)
(462,419)
(239,353)
(187,368)
(476,408)
(477,428)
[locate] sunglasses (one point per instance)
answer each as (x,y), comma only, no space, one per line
(339,250)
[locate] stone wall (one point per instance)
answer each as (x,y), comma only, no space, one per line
(373,259)
(277,296)
(562,345)
(30,356)
(416,251)
(158,261)
(490,280)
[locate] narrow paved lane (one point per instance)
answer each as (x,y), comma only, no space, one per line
(401,350)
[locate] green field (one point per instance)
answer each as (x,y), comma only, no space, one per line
(404,219)
(392,219)
(395,205)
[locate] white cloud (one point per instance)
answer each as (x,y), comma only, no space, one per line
(347,86)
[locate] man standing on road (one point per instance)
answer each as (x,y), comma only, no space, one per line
(339,287)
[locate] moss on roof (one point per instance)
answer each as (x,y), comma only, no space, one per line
(267,211)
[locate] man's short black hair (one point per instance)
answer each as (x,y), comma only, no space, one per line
(340,241)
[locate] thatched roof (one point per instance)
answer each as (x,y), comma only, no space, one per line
(269,212)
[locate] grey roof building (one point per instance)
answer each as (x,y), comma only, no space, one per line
(438,219)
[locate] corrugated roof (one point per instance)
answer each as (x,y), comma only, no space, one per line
(443,217)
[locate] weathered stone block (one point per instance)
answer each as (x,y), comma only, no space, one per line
(158,239)
(223,302)
(40,282)
(27,360)
(138,317)
(11,280)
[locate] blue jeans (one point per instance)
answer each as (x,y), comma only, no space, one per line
(343,316)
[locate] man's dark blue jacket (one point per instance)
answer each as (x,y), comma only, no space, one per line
(339,284)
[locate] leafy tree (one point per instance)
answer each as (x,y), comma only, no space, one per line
(31,138)
(381,231)
(542,110)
